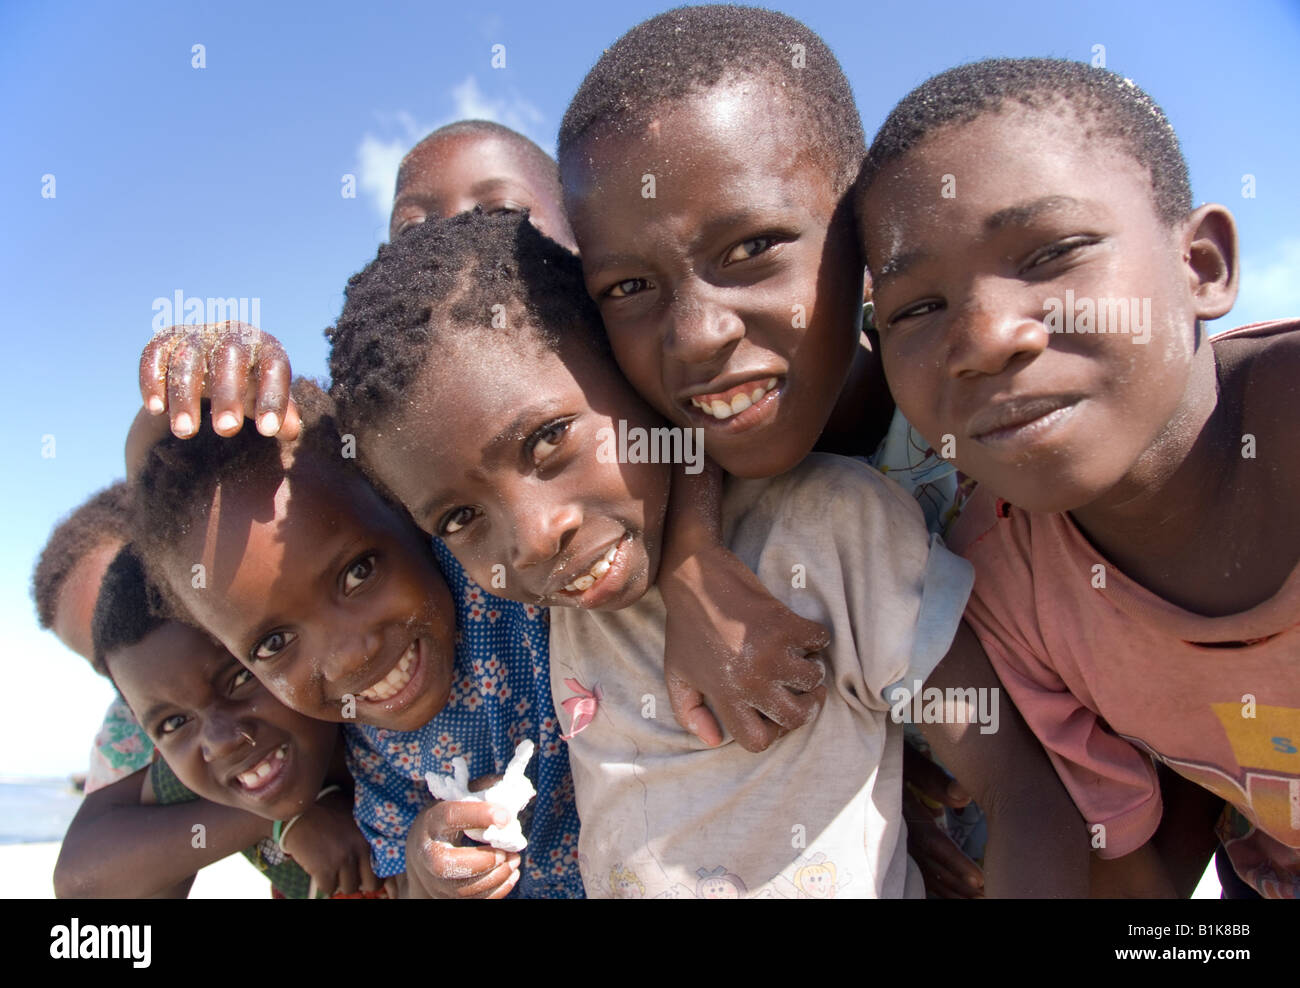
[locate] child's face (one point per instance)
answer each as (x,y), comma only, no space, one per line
(498,455)
(75,609)
(452,175)
(731,286)
(965,286)
(326,593)
(223,734)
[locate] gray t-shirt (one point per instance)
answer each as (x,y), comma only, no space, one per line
(818,814)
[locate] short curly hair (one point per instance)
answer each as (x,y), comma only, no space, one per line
(451,275)
(130,607)
(691,50)
(176,484)
(1123,113)
(105,517)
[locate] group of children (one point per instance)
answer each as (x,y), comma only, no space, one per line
(1047,550)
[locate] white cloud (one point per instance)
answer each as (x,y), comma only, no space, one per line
(1270,285)
(378,158)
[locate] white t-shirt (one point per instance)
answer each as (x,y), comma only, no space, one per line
(818,814)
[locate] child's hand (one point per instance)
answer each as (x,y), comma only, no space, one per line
(436,868)
(244,371)
(948,873)
(330,848)
(730,643)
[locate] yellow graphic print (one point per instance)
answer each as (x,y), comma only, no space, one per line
(1267,783)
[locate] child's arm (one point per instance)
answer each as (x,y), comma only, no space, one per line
(1037,843)
(437,869)
(330,847)
(1140,875)
(947,871)
(729,642)
(116,847)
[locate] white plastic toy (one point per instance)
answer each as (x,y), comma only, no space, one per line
(512,793)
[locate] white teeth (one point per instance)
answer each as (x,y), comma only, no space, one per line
(598,569)
(255,777)
(395,681)
(720,409)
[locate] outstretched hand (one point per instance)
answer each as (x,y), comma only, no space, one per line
(242,370)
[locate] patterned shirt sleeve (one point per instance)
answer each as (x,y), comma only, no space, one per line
(120,748)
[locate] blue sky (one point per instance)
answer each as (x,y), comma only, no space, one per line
(226,181)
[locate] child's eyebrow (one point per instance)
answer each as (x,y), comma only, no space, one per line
(897,264)
(515,430)
(1026,212)
(1020,214)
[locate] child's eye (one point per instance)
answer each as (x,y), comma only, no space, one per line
(273,644)
(409,222)
(1059,249)
(503,207)
(546,440)
(241,677)
(629,286)
(750,248)
(456,520)
(358,573)
(172,724)
(911,312)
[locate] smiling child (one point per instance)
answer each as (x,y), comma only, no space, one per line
(334,600)
(1135,541)
(472,366)
(707,162)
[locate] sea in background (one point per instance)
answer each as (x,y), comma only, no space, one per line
(36,810)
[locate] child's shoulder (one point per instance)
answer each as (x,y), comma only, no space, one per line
(826,489)
(828,508)
(1263,358)
(1259,377)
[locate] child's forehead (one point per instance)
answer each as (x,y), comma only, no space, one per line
(734,118)
(174,660)
(425,160)
(1011,166)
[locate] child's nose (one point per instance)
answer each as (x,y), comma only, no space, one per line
(701,328)
(542,531)
(989,333)
(351,647)
(222,736)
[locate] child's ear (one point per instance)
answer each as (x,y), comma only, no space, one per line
(1210,256)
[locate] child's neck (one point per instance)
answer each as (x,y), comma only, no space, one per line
(1183,524)
(337,774)
(861,416)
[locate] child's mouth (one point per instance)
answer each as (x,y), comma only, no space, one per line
(738,408)
(735,400)
(593,587)
(1016,424)
(265,772)
(397,681)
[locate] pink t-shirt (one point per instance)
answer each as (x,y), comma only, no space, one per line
(1108,674)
